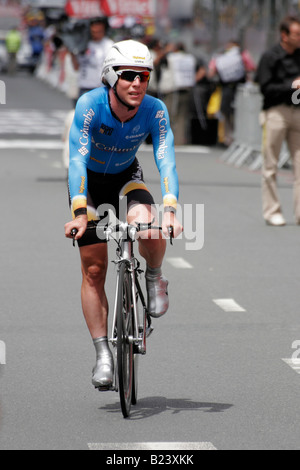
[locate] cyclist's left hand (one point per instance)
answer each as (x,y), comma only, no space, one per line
(80,224)
(170,220)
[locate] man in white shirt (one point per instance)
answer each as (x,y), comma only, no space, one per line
(89,64)
(176,84)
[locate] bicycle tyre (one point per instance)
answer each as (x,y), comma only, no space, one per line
(135,380)
(124,346)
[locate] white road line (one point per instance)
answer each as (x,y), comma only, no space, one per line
(154,446)
(31,144)
(179,263)
(294,364)
(229,305)
(30,121)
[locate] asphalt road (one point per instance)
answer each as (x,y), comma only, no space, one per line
(214,374)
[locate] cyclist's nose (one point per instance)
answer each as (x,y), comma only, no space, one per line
(135,80)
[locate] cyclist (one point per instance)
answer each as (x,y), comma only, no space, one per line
(109,126)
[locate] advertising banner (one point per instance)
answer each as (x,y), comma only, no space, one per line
(144,8)
(91,8)
(83,8)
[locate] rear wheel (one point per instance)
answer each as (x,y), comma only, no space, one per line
(124,340)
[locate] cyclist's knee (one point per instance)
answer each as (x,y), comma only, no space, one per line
(95,273)
(154,247)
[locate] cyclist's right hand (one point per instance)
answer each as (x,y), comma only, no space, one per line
(80,224)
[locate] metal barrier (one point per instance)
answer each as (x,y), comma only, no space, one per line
(246,148)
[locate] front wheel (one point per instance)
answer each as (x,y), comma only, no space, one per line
(135,380)
(124,340)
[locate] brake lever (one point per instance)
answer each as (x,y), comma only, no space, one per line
(171,234)
(74,232)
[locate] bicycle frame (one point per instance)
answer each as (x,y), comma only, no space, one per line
(140,330)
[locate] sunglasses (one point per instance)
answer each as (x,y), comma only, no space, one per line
(132,75)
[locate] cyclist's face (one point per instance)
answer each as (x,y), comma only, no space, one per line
(134,92)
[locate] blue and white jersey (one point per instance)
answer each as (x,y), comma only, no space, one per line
(101,143)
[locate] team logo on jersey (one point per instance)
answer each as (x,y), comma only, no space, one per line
(136,129)
(106,130)
(160,115)
(83,151)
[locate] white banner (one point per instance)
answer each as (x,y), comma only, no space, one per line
(83,8)
(145,8)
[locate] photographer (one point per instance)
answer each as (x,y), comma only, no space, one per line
(89,63)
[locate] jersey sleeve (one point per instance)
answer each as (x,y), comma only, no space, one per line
(164,153)
(80,148)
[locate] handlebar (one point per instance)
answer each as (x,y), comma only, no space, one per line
(122,227)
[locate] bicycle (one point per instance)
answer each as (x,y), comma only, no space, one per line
(130,327)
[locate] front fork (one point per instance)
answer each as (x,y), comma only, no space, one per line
(140,332)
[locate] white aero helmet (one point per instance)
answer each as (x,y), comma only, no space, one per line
(125,54)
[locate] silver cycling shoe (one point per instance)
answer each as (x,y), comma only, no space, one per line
(158,297)
(103,372)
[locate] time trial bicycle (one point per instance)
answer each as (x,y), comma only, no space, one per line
(132,324)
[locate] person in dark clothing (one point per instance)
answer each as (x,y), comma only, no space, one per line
(277,71)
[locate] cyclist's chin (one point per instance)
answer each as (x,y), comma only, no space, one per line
(135,100)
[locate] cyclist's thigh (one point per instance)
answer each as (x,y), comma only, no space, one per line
(94,257)
(144,214)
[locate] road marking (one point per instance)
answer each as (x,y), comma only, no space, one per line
(2,353)
(229,305)
(179,263)
(154,446)
(31,121)
(31,144)
(294,364)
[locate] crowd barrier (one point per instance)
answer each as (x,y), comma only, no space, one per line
(55,69)
(246,147)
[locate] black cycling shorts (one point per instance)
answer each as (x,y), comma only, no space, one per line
(113,194)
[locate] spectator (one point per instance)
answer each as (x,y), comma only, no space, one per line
(204,128)
(178,78)
(157,52)
(232,67)
(279,67)
(13,43)
(36,36)
(90,63)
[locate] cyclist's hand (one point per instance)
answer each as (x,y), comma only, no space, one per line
(80,224)
(296,84)
(170,220)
